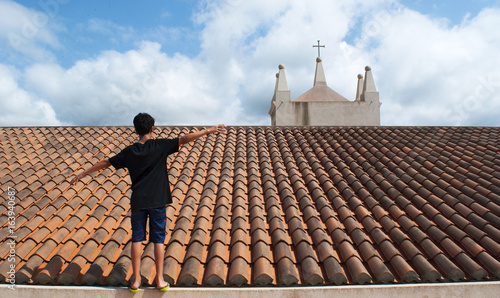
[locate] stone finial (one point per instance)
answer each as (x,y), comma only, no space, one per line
(359,90)
(281,93)
(369,84)
(281,79)
(276,85)
(319,76)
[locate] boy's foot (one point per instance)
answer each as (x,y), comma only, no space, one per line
(162,287)
(134,286)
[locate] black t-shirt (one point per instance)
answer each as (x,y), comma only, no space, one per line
(147,166)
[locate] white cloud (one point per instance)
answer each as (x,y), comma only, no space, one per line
(19,108)
(440,75)
(27,31)
(115,86)
(427,72)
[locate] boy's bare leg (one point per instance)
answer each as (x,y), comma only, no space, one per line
(159,255)
(135,282)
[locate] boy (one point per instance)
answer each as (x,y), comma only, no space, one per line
(146,163)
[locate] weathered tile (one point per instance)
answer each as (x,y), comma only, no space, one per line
(423,201)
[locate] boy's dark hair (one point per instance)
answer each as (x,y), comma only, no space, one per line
(143,123)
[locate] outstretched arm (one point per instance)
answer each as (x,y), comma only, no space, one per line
(97,167)
(198,134)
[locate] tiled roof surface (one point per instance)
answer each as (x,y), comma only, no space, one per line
(261,206)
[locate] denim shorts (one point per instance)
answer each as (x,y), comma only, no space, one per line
(157,223)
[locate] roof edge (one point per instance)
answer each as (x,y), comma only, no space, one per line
(457,289)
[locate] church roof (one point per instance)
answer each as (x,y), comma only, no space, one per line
(320,92)
(260,206)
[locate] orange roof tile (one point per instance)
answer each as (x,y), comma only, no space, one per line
(261,206)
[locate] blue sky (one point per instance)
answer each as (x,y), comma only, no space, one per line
(68,62)
(84,36)
(453,10)
(89,27)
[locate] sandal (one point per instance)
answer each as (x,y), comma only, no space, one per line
(131,290)
(165,288)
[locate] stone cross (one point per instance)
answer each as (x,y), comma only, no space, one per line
(318,46)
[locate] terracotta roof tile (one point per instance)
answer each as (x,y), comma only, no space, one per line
(50,272)
(264,206)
